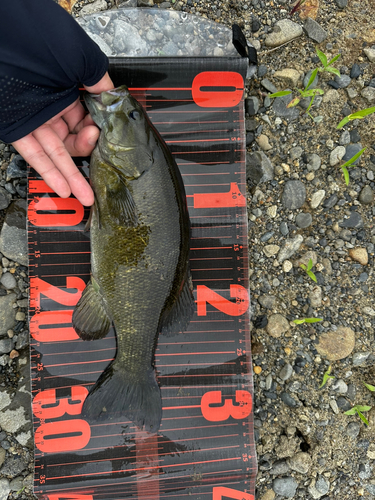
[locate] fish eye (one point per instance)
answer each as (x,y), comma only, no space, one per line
(134,115)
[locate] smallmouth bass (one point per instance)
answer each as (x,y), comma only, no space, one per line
(140,276)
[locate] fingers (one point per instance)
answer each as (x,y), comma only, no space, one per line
(104,84)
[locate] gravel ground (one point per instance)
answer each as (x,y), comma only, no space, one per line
(299,209)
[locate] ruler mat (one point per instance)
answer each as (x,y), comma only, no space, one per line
(205,447)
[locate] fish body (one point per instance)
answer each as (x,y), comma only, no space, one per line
(139,232)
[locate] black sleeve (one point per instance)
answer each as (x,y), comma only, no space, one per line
(44,57)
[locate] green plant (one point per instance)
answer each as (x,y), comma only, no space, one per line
(348,163)
(359,409)
(307,320)
(369,387)
(326,376)
(358,115)
(327,66)
(21,490)
(308,270)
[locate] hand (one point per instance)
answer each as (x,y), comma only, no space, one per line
(49,148)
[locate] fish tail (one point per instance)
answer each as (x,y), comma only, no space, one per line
(123,393)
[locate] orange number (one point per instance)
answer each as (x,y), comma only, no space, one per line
(42,404)
(56,333)
(69,496)
(217,89)
(219,492)
(226,410)
(232,198)
(237,308)
(76,435)
(71,212)
(59,295)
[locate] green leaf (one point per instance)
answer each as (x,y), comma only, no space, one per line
(362,113)
(346,175)
(332,70)
(312,77)
(326,377)
(303,267)
(369,387)
(352,411)
(334,59)
(293,102)
(313,320)
(280,94)
(353,159)
(309,264)
(299,321)
(364,419)
(312,276)
(312,92)
(343,122)
(322,57)
(362,408)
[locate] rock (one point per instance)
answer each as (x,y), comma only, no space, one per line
(290,248)
(341,4)
(17,168)
(335,345)
(342,81)
(4,489)
(268,85)
(283,31)
(127,39)
(313,162)
(340,386)
(8,281)
(271,250)
(315,297)
(290,77)
(370,53)
(300,462)
(336,155)
(285,486)
(355,71)
(13,236)
(314,30)
(96,6)
(304,220)
(352,429)
(317,198)
(354,221)
(350,151)
(359,358)
(6,345)
(319,488)
(368,93)
(295,152)
(277,325)
(268,495)
(263,142)
(294,195)
(280,107)
(7,313)
(366,196)
(359,255)
(252,105)
(258,168)
(5,198)
(286,372)
(287,266)
(345,138)
(331,96)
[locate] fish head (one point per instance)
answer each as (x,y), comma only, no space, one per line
(126,141)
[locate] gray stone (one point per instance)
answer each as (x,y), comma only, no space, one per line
(285,486)
(343,81)
(368,93)
(355,71)
(7,313)
(8,281)
(252,105)
(319,488)
(267,301)
(359,358)
(295,152)
(286,372)
(343,403)
(268,85)
(280,107)
(17,168)
(300,462)
(304,220)
(5,198)
(336,155)
(277,325)
(16,484)
(341,4)
(13,236)
(4,489)
(331,201)
(2,456)
(258,168)
(352,430)
(288,400)
(352,150)
(279,467)
(340,386)
(283,31)
(354,221)
(314,30)
(344,138)
(290,248)
(6,345)
(13,466)
(370,53)
(294,195)
(313,162)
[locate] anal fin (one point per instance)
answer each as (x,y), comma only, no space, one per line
(90,319)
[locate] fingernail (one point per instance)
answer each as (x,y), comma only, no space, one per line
(92,140)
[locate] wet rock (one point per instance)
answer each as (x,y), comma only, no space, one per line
(13,237)
(290,248)
(314,30)
(359,255)
(294,195)
(366,196)
(7,313)
(277,325)
(337,344)
(258,168)
(283,31)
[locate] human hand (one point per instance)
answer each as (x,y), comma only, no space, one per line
(49,148)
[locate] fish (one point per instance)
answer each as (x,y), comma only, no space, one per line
(140,274)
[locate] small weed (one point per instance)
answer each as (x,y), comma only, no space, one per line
(326,376)
(308,270)
(297,6)
(359,409)
(369,387)
(306,320)
(358,115)
(21,490)
(348,163)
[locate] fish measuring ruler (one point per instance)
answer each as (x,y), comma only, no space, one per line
(204,448)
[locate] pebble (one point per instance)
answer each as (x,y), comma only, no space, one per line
(13,236)
(345,138)
(285,486)
(313,162)
(369,94)
(342,81)
(271,250)
(355,71)
(290,247)
(340,386)
(279,107)
(277,325)
(268,85)
(354,221)
(319,488)
(350,151)
(4,489)
(286,372)
(366,196)
(352,430)
(7,313)
(304,220)
(294,195)
(283,31)
(335,345)
(370,53)
(300,462)
(359,358)
(359,255)
(288,400)
(267,301)
(289,76)
(317,198)
(8,281)
(263,142)
(252,105)
(336,155)
(259,168)
(315,296)
(287,266)
(314,30)
(341,4)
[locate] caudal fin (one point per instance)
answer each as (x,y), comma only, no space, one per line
(120,393)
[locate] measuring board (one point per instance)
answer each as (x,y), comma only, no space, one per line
(205,447)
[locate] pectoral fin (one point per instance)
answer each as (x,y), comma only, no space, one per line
(121,203)
(90,319)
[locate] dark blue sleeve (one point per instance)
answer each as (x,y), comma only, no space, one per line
(44,58)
